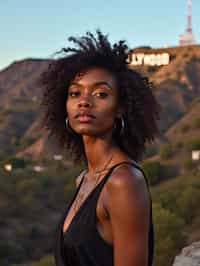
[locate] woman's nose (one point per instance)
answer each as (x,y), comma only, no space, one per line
(84,103)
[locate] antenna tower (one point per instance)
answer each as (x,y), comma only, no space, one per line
(188,38)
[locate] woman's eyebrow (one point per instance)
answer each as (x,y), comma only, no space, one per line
(102,83)
(74,83)
(94,84)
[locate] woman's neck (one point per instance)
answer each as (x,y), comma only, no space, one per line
(101,152)
(98,152)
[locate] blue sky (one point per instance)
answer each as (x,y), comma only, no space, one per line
(38,28)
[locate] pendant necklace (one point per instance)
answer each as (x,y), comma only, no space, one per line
(98,173)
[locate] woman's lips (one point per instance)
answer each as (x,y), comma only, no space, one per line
(85,118)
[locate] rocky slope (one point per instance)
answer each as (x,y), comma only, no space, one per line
(189,256)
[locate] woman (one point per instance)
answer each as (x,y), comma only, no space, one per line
(104,113)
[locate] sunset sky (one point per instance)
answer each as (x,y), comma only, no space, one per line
(38,28)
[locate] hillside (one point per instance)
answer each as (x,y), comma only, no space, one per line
(18,82)
(176,85)
(28,225)
(19,101)
(188,126)
(181,139)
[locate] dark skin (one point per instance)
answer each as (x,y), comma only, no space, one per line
(123,205)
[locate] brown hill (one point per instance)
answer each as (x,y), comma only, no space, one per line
(180,59)
(184,136)
(176,85)
(18,82)
(188,126)
(180,139)
(42,146)
(20,96)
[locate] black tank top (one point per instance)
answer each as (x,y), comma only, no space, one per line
(81,244)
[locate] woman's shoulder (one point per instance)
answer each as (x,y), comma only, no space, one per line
(127,169)
(124,165)
(126,175)
(127,189)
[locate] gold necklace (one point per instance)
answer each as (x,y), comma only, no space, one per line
(77,202)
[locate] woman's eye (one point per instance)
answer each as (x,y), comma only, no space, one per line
(101,94)
(73,93)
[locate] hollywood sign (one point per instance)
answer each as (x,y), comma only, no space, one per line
(149,59)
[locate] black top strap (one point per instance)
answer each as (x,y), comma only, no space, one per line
(132,163)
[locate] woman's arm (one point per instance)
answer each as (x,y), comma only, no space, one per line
(128,207)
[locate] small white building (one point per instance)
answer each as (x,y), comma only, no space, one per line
(57,157)
(8,167)
(196,155)
(38,168)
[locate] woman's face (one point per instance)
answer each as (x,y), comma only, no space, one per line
(92,102)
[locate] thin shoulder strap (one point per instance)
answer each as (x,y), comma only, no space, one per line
(136,166)
(128,162)
(102,182)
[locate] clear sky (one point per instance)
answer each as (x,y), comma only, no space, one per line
(38,28)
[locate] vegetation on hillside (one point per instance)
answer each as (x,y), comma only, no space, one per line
(30,212)
(31,202)
(30,205)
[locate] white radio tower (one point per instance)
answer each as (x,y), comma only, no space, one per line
(188,38)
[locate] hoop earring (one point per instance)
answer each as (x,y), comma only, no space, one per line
(69,129)
(122,127)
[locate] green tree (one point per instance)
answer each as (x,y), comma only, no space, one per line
(185,128)
(16,162)
(47,260)
(192,144)
(196,122)
(188,203)
(2,155)
(165,151)
(153,170)
(151,150)
(188,163)
(169,235)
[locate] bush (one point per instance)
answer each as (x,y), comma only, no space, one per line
(188,203)
(47,260)
(196,123)
(165,151)
(4,250)
(30,205)
(152,68)
(151,150)
(3,155)
(153,170)
(16,162)
(10,253)
(169,171)
(192,144)
(188,163)
(185,128)
(168,228)
(157,172)
(179,145)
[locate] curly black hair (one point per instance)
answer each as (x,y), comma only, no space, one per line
(135,91)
